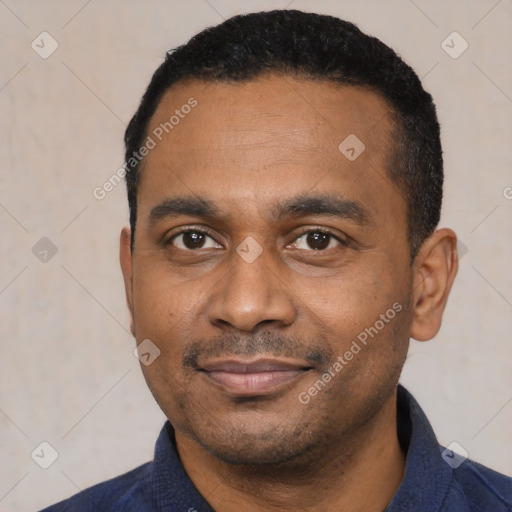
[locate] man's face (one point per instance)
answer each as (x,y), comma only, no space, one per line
(262,253)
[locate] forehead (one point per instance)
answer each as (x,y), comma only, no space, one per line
(269,105)
(258,139)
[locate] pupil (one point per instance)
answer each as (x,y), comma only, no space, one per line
(193,240)
(318,240)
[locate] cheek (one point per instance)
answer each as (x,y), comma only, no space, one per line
(363,317)
(155,308)
(350,300)
(159,301)
(169,311)
(162,313)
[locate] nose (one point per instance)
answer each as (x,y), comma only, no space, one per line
(250,295)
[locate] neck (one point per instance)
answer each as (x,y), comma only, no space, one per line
(361,472)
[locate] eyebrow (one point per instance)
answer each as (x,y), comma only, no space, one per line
(299,206)
(325,204)
(190,206)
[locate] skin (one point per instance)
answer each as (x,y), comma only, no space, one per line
(249,148)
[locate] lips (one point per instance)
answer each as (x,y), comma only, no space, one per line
(253,378)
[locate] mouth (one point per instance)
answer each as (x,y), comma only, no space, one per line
(253,378)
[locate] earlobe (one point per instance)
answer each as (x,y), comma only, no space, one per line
(125,258)
(435,268)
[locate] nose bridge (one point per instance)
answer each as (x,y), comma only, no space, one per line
(251,292)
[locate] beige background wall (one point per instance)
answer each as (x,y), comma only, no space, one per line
(66,367)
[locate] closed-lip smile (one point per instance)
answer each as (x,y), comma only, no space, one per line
(255,377)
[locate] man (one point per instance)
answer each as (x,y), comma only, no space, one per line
(284,177)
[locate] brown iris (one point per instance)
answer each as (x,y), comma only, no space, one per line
(317,240)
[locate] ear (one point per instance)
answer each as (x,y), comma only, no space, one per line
(125,257)
(435,268)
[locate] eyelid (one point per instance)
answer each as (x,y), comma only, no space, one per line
(313,229)
(187,229)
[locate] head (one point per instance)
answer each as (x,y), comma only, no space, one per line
(283,212)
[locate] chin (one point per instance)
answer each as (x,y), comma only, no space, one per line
(256,441)
(252,452)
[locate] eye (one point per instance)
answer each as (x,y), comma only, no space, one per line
(316,240)
(192,240)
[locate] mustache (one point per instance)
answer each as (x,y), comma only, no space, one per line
(263,343)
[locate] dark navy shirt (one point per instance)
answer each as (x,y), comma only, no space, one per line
(435,479)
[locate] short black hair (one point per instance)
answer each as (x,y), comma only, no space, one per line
(315,47)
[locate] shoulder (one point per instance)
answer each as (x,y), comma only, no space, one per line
(482,488)
(118,494)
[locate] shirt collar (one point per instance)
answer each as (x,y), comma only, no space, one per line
(427,476)
(170,486)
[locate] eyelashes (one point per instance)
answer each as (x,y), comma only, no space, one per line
(312,239)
